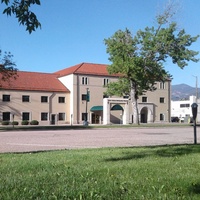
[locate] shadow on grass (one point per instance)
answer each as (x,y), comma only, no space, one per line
(161,151)
(195,188)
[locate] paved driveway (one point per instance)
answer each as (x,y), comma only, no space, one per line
(26,141)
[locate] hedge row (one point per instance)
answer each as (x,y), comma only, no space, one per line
(25,122)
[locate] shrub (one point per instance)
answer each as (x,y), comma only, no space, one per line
(25,122)
(5,122)
(34,122)
(15,123)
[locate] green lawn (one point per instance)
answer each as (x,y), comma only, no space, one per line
(168,172)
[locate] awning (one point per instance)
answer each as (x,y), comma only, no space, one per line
(117,107)
(96,108)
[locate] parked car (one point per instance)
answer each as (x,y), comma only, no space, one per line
(174,119)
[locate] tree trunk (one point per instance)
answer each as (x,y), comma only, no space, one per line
(134,102)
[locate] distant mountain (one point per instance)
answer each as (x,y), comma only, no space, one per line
(183,91)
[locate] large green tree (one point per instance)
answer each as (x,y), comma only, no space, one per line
(139,60)
(21,9)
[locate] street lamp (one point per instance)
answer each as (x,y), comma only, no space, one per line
(196,87)
(194,113)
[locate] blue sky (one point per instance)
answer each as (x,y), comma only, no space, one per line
(73,31)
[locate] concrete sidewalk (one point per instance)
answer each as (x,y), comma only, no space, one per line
(28,141)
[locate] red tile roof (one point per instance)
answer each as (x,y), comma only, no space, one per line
(34,81)
(87,69)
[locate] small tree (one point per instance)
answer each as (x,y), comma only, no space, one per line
(7,67)
(140,59)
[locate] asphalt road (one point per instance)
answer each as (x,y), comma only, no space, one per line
(29,141)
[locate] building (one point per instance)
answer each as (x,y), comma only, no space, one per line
(182,110)
(34,96)
(61,98)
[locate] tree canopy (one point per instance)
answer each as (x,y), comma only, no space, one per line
(21,9)
(140,59)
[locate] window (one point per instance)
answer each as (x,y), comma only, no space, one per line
(44,99)
(144,99)
(162,100)
(44,116)
(61,116)
(105,81)
(25,98)
(84,115)
(161,117)
(6,116)
(25,116)
(84,97)
(61,99)
(84,80)
(6,97)
(162,85)
(186,105)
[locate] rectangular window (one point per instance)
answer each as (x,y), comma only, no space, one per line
(161,117)
(84,115)
(44,99)
(84,97)
(162,85)
(61,99)
(144,99)
(84,80)
(6,116)
(184,105)
(61,116)
(105,81)
(162,100)
(25,116)
(25,98)
(44,116)
(6,97)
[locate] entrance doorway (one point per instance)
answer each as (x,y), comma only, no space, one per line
(53,119)
(95,118)
(144,114)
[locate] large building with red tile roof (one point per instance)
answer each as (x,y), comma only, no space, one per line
(60,98)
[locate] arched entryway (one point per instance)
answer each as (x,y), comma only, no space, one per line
(144,115)
(116,113)
(118,107)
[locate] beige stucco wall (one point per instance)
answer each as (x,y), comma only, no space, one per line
(95,86)
(35,107)
(154,98)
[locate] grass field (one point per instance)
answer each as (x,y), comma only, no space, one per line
(167,172)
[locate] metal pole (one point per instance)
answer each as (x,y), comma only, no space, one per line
(195,132)
(86,118)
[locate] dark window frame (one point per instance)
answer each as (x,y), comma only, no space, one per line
(44,99)
(162,117)
(61,116)
(162,100)
(6,116)
(61,99)
(84,116)
(6,98)
(26,116)
(44,116)
(84,97)
(85,80)
(144,99)
(25,98)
